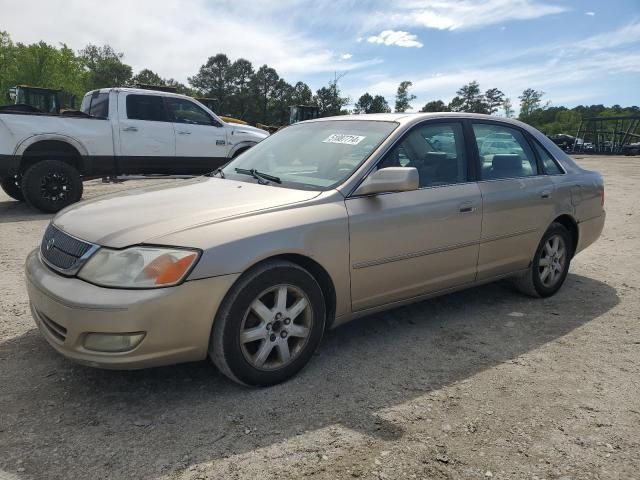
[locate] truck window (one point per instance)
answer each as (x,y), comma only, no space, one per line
(146,107)
(96,105)
(184,111)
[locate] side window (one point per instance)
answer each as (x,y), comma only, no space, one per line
(550,165)
(436,150)
(504,152)
(96,105)
(146,107)
(184,111)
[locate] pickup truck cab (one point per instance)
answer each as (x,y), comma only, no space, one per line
(45,157)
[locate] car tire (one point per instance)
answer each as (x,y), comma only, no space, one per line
(51,185)
(549,267)
(12,187)
(263,335)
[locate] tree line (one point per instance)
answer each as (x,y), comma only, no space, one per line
(259,94)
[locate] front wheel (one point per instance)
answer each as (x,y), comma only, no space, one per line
(12,187)
(550,264)
(269,324)
(51,185)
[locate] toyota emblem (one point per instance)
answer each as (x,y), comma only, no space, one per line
(50,243)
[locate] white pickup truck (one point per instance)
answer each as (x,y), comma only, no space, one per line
(45,157)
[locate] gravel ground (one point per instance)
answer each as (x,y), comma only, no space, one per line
(479,384)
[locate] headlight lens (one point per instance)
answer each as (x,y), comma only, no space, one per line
(138,267)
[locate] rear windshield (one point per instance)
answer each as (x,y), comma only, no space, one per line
(96,104)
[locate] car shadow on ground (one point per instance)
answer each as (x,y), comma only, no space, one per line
(14,211)
(67,421)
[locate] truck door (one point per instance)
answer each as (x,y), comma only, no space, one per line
(147,138)
(201,141)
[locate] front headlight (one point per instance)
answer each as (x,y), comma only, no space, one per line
(138,267)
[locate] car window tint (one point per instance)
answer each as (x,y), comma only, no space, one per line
(184,111)
(436,150)
(146,107)
(550,165)
(504,152)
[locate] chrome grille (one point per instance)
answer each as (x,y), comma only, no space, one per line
(62,251)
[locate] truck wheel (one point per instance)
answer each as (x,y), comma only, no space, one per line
(51,185)
(11,186)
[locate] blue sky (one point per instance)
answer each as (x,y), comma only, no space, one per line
(578,52)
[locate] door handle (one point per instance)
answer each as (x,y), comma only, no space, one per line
(467,207)
(184,133)
(130,129)
(545,193)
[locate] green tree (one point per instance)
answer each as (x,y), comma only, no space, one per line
(214,80)
(369,104)
(263,85)
(435,106)
(494,99)
(507,108)
(530,101)
(469,99)
(104,67)
(301,94)
(240,75)
(148,77)
(403,98)
(330,100)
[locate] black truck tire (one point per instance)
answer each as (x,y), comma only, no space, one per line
(51,185)
(12,187)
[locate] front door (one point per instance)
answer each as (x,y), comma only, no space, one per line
(517,199)
(201,142)
(147,141)
(406,244)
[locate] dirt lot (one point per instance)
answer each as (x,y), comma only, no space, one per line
(480,384)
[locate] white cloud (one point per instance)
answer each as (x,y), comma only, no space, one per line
(396,37)
(591,14)
(346,56)
(563,81)
(460,14)
(174,40)
(630,33)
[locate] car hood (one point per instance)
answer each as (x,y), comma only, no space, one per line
(144,214)
(237,128)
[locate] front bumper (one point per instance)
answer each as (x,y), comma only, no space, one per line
(176,320)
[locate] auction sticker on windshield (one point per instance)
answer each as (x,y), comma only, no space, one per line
(344,139)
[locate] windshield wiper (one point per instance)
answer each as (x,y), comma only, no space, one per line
(258,175)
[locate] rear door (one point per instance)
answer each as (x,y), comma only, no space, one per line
(405,244)
(201,142)
(147,139)
(517,198)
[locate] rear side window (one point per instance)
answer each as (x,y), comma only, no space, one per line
(550,165)
(504,152)
(96,105)
(146,107)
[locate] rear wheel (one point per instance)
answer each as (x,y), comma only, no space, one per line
(550,264)
(12,187)
(269,324)
(51,185)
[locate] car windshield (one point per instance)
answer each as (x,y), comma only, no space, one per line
(314,155)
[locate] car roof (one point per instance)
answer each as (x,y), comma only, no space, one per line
(140,91)
(411,118)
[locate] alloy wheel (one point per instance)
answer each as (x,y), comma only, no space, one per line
(553,260)
(276,327)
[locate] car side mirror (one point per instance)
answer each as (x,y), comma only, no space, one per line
(390,179)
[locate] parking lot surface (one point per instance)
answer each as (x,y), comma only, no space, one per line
(484,383)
